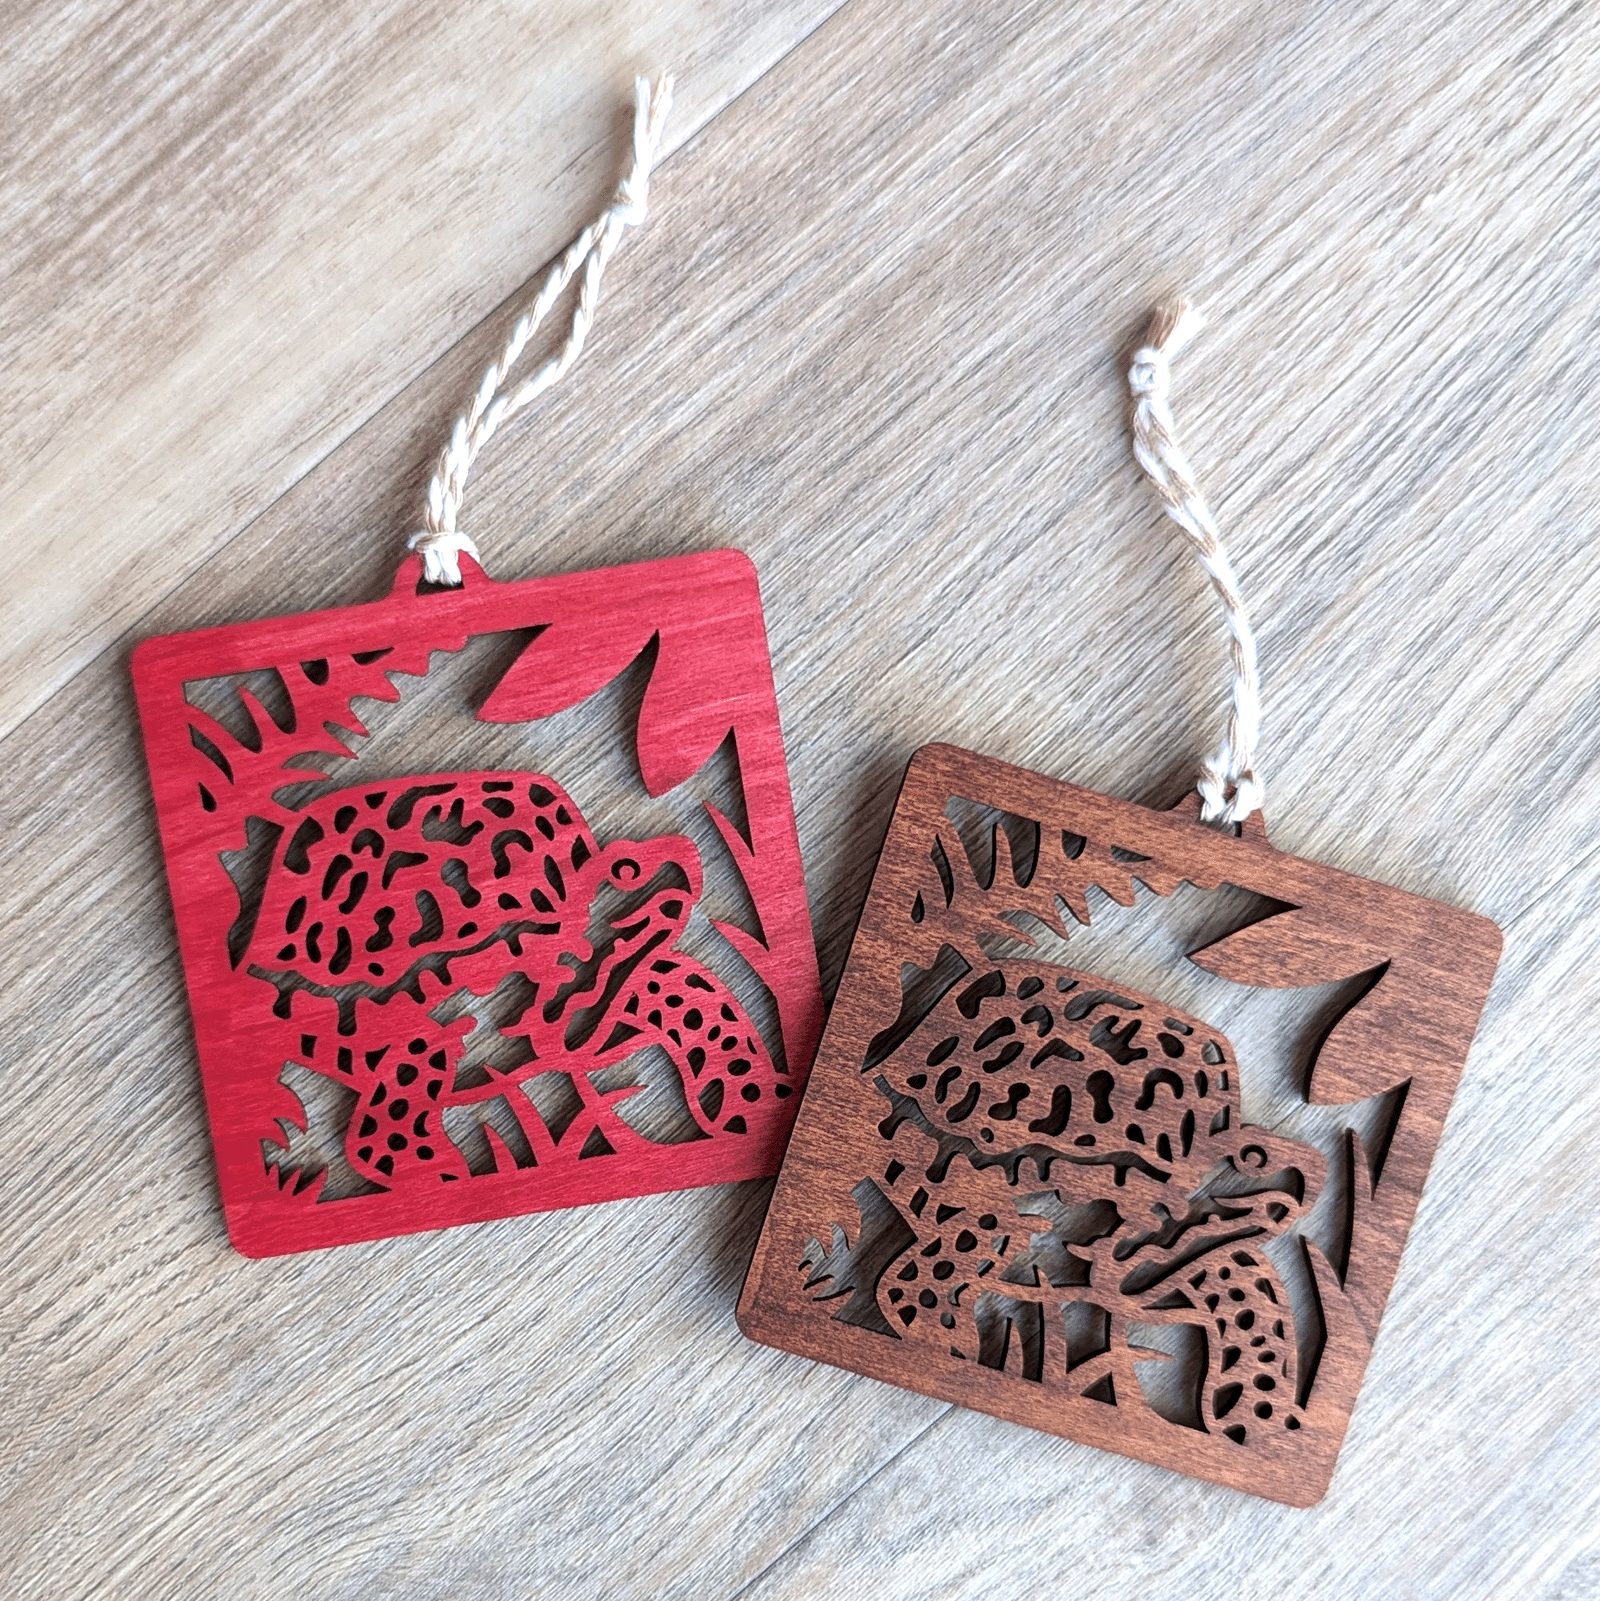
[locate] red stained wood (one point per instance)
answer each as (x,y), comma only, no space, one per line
(984,1223)
(387,897)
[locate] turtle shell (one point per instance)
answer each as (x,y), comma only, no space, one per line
(1022,1054)
(377,877)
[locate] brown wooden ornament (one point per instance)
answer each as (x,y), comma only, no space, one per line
(1005,1168)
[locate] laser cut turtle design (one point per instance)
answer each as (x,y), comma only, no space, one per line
(972,1245)
(388,897)
(1055,1141)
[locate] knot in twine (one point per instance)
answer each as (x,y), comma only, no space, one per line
(1230,790)
(439,542)
(441,550)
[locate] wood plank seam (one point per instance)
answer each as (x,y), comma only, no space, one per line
(841,1502)
(62,661)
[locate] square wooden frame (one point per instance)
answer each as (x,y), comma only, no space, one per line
(1433,966)
(712,677)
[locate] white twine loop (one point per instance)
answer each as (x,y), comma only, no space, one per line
(1229,789)
(440,542)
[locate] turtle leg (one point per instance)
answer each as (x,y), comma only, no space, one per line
(729,1078)
(401,1063)
(1250,1340)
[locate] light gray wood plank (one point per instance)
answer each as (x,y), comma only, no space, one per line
(229,232)
(872,337)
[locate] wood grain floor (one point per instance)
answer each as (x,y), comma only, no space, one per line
(251,260)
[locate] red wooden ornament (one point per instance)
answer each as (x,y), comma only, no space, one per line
(1013,1180)
(387,898)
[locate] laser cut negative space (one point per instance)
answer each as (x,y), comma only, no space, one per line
(398,912)
(1019,1186)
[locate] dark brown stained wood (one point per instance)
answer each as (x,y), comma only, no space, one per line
(1005,1169)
